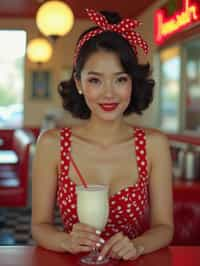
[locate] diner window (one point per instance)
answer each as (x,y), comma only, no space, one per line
(169,103)
(12,58)
(192,76)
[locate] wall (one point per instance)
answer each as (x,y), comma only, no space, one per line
(150,117)
(34,110)
(62,58)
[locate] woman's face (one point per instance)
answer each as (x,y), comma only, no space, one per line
(105,85)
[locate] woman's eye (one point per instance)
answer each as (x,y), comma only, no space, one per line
(94,80)
(122,79)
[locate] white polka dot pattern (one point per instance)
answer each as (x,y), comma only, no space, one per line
(124,28)
(128,207)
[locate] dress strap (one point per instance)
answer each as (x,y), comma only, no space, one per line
(140,149)
(65,146)
(66,157)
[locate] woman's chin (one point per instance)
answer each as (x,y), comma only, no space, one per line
(109,117)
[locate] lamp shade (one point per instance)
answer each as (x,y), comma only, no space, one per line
(54,18)
(39,50)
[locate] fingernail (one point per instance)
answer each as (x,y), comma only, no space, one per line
(98,232)
(101,240)
(100,258)
(98,245)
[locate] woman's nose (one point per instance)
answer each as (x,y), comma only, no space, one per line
(108,90)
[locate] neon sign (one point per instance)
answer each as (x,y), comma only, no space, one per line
(167,26)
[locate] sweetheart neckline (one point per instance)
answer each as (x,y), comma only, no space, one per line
(116,193)
(122,189)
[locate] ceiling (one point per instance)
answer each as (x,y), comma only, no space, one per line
(28,8)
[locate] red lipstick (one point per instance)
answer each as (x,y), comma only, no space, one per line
(108,107)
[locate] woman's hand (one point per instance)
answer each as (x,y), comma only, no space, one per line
(83,238)
(121,247)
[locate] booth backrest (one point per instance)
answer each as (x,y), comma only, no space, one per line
(187,214)
(17,195)
(6,136)
(21,145)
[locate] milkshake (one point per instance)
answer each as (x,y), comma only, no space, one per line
(92,205)
(93,210)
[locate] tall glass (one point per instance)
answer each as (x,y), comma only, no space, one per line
(93,209)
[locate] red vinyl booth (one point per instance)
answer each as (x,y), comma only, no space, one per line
(187,213)
(14,174)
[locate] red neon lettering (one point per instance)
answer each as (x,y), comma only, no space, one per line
(165,27)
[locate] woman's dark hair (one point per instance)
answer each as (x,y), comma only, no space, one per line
(142,91)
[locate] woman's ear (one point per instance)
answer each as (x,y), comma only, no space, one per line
(78,83)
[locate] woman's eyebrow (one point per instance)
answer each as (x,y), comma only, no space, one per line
(94,73)
(101,74)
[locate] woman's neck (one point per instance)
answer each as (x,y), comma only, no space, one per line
(107,133)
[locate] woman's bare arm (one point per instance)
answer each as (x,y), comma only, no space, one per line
(44,186)
(161,229)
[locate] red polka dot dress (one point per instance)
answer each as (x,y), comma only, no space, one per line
(128,208)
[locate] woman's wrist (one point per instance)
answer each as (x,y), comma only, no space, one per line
(140,250)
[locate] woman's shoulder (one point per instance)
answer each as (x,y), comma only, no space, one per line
(154,133)
(156,138)
(49,138)
(52,134)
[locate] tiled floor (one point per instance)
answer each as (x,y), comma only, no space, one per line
(15,222)
(15,226)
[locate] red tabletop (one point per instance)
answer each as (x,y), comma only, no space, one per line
(34,256)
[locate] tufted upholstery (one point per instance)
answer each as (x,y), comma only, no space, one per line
(187,213)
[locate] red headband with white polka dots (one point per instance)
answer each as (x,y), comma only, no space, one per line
(124,28)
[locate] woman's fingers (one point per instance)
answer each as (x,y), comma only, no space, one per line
(84,228)
(83,238)
(109,244)
(127,250)
(134,254)
(120,248)
(83,249)
(125,242)
(86,241)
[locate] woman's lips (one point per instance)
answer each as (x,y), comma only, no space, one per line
(108,107)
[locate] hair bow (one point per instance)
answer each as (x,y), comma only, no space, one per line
(125,28)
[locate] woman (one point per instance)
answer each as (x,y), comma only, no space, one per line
(107,84)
